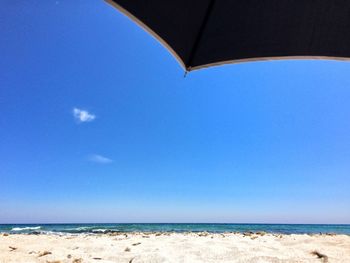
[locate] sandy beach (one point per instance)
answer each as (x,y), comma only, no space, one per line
(174,247)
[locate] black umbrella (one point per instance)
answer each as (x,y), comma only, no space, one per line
(202,33)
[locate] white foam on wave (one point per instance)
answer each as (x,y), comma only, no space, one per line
(81,228)
(25,228)
(99,230)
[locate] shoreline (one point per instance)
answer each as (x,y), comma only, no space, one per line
(175,227)
(174,247)
(167,233)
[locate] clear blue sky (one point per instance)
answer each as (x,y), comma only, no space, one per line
(253,142)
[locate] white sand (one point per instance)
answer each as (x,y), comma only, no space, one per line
(189,247)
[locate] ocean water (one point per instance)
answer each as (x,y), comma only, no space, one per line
(214,228)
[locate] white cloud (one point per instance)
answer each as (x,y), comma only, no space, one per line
(96,158)
(83,115)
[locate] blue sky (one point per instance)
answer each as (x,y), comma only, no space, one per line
(98,124)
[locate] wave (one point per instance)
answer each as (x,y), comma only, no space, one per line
(25,228)
(81,229)
(90,229)
(101,230)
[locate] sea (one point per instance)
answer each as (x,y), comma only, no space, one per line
(172,227)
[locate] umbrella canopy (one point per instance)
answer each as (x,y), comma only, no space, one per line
(202,33)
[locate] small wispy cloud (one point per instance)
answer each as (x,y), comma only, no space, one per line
(83,115)
(96,158)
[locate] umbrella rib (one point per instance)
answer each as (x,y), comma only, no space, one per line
(199,35)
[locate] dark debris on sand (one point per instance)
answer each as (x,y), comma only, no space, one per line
(44,253)
(12,248)
(136,244)
(320,256)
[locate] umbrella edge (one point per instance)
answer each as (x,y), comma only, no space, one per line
(277,58)
(148,30)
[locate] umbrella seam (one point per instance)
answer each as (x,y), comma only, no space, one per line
(199,35)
